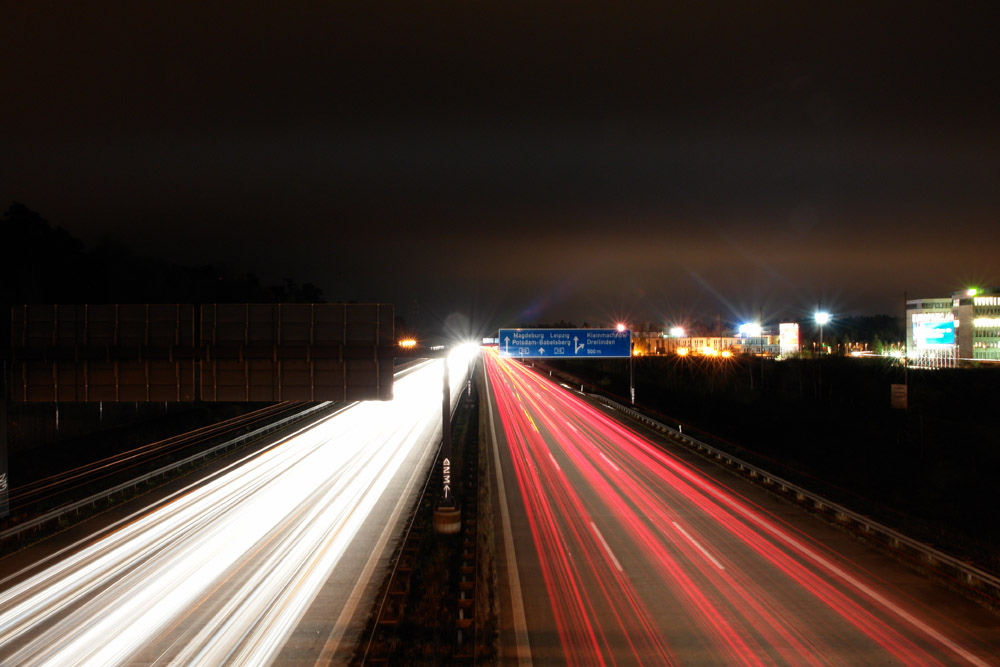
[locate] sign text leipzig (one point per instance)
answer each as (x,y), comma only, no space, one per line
(565,343)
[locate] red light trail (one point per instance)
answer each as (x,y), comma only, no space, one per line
(647,560)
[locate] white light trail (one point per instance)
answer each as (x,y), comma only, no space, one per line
(224,573)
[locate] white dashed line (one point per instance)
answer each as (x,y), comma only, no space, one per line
(606,547)
(700,548)
(617,469)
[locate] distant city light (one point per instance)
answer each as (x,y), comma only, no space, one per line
(973,291)
(682,351)
(407,343)
(620,327)
(677,332)
(726,354)
(750,330)
(822,317)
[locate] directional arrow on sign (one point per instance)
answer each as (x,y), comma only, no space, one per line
(577,346)
(541,350)
(506,342)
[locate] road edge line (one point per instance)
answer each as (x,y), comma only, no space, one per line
(517,602)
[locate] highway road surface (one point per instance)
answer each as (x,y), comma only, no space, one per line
(274,559)
(619,550)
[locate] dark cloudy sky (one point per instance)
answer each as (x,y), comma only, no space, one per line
(522,160)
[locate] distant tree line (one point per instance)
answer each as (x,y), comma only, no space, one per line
(45,264)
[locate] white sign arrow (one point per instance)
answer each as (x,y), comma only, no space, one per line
(446,474)
(506,342)
(541,350)
(577,346)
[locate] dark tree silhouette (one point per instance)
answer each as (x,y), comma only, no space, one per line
(42,264)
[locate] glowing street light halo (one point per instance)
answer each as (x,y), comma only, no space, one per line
(822,317)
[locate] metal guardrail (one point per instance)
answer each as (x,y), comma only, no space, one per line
(969,576)
(105,494)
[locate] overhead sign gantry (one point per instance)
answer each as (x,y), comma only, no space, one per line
(565,343)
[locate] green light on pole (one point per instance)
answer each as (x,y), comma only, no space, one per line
(822,317)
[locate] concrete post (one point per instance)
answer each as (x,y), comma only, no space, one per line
(447,514)
(4,400)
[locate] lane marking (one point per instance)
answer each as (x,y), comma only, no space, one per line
(333,642)
(859,585)
(698,545)
(554,462)
(818,559)
(617,469)
(606,547)
(530,419)
(523,647)
(837,571)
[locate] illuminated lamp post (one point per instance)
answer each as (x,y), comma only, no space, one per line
(822,317)
(631,370)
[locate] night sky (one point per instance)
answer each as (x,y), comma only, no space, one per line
(522,161)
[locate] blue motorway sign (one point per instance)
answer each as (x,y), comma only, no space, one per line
(565,343)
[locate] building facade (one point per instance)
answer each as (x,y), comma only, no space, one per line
(944,331)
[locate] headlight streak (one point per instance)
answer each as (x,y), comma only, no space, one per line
(292,510)
(753,610)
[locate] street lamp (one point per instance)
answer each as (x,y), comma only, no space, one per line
(631,353)
(822,317)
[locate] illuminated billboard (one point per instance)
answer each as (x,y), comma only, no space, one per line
(788,336)
(933,330)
